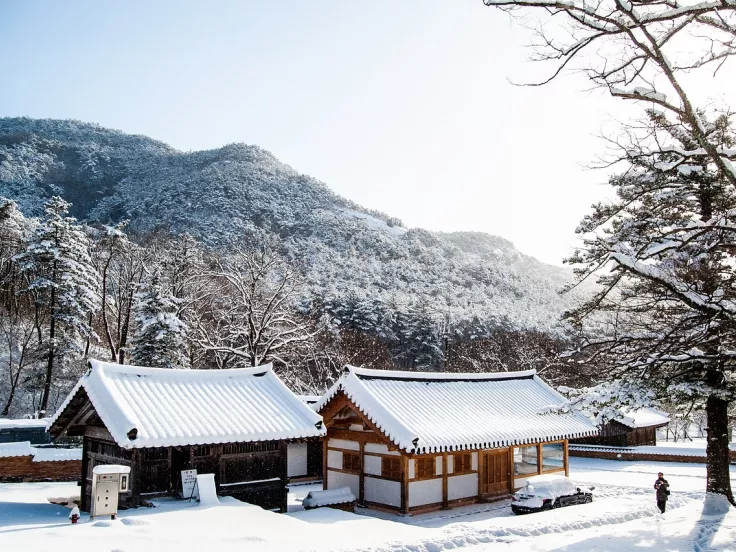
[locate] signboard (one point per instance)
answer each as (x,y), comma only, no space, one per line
(188,481)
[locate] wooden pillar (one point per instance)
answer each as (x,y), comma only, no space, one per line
(404,484)
(284,451)
(566,457)
(325,440)
(85,506)
(135,475)
(445,499)
(361,477)
(539,458)
(511,474)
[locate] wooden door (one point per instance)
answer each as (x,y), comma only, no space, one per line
(494,473)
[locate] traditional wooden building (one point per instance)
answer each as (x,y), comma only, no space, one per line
(636,428)
(234,423)
(414,441)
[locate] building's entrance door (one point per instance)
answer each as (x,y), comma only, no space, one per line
(495,473)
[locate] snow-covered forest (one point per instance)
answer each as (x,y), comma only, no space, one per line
(229,258)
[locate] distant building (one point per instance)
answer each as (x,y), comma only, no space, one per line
(234,423)
(15,431)
(416,441)
(637,428)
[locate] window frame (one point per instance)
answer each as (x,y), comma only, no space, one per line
(464,469)
(350,466)
(391,468)
(420,474)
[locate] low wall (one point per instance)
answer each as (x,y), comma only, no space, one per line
(629,455)
(23,468)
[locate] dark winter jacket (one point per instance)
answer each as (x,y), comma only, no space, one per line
(661,486)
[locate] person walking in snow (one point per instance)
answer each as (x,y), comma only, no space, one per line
(663,491)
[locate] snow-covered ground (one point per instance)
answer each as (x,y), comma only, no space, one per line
(622,517)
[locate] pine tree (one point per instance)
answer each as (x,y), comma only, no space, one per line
(64,284)
(160,337)
(664,254)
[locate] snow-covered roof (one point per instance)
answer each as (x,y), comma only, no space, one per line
(8,423)
(434,412)
(159,407)
(644,417)
(22,448)
(39,454)
(110,469)
(53,454)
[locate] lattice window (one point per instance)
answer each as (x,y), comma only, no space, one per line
(425,467)
(390,467)
(351,462)
(462,462)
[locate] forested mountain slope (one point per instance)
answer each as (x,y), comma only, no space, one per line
(363,268)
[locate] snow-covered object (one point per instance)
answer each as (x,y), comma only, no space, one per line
(435,412)
(8,423)
(316,499)
(23,448)
(159,407)
(108,469)
(644,417)
(207,490)
(543,487)
(46,454)
(52,454)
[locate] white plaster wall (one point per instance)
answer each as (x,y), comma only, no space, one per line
(334,459)
(372,465)
(462,486)
(474,461)
(425,492)
(335,480)
(296,459)
(343,444)
(411,469)
(438,465)
(356,427)
(382,492)
(380,449)
(450,463)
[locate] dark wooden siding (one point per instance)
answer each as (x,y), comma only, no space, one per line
(252,472)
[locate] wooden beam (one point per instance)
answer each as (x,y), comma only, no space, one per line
(340,401)
(566,457)
(360,436)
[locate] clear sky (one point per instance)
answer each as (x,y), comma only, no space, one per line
(402,106)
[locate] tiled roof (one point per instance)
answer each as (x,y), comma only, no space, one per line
(158,407)
(433,412)
(644,417)
(22,448)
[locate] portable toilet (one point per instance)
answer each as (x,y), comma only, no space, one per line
(108,481)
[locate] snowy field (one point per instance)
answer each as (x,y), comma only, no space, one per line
(622,517)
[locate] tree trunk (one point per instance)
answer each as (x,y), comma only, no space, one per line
(719,479)
(52,350)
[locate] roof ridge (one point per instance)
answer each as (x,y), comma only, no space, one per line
(371,373)
(95,364)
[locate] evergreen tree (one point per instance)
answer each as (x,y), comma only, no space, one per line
(64,284)
(160,337)
(664,253)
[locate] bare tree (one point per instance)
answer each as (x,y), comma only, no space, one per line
(246,316)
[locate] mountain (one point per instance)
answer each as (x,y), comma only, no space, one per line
(362,266)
